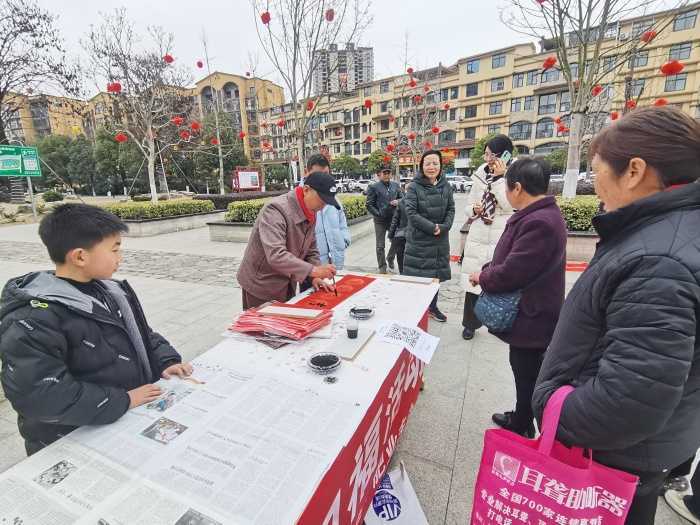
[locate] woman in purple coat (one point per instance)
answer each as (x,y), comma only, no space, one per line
(529,257)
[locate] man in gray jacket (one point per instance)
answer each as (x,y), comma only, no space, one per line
(382,198)
(282,248)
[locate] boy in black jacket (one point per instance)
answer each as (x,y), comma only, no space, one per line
(75,345)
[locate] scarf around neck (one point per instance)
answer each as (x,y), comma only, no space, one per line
(310,216)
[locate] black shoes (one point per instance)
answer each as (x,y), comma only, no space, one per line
(438,315)
(467,334)
(506,421)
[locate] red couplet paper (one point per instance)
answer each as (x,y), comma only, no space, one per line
(251,321)
(346,287)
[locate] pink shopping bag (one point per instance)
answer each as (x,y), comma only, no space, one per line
(542,482)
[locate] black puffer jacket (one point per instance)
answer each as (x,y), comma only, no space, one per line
(428,255)
(627,338)
(66,361)
(399,222)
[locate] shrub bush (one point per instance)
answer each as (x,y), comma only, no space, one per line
(582,188)
(354,207)
(221,202)
(149,210)
(247,211)
(579,212)
(52,196)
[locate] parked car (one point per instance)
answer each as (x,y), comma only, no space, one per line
(362,185)
(344,184)
(459,183)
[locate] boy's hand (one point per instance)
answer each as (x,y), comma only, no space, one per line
(143,394)
(180,370)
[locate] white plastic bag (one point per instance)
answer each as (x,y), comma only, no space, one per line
(395,502)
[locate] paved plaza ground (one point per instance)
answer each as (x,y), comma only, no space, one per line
(188,288)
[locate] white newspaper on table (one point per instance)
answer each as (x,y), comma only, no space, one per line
(418,342)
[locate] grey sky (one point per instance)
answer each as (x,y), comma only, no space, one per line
(441,30)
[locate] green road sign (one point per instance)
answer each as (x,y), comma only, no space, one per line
(19,161)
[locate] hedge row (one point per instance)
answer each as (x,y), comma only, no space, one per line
(221,202)
(582,188)
(579,212)
(149,210)
(247,211)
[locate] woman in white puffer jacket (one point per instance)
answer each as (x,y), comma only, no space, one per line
(488,217)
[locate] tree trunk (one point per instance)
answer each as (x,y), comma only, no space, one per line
(301,155)
(3,137)
(152,171)
(573,161)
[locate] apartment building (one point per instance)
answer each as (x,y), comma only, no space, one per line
(500,91)
(342,70)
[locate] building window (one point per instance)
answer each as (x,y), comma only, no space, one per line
(356,148)
(367,147)
(516,105)
(384,125)
(551,75)
(545,128)
(498,84)
(518,80)
(493,129)
(546,149)
(529,103)
(547,104)
(472,89)
(676,82)
(448,136)
(495,108)
(473,66)
(685,20)
(640,59)
(680,51)
(348,148)
(498,60)
(642,26)
(574,70)
(520,131)
(470,112)
(609,63)
(637,87)
(444,94)
(469,133)
(454,92)
(533,77)
(368,91)
(384,87)
(453,114)
(565,102)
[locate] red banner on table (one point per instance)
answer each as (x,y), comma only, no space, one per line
(346,491)
(346,287)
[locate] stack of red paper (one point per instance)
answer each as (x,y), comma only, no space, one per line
(295,328)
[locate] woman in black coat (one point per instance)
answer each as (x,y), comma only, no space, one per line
(628,337)
(430,208)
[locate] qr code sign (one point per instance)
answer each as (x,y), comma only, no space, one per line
(403,335)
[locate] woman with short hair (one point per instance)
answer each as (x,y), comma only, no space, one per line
(529,259)
(627,338)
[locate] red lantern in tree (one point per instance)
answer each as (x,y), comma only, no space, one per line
(281,122)
(596,90)
(412,83)
(561,128)
(195,126)
(428,145)
(411,136)
(445,149)
(241,135)
(369,138)
(566,129)
(200,64)
(392,118)
(114,87)
(446,107)
(549,63)
(672,68)
(390,148)
(409,71)
(426,88)
(631,104)
(214,141)
(386,159)
(265,17)
(614,115)
(435,130)
(177,121)
(557,120)
(540,1)
(330,15)
(185,135)
(660,102)
(417,99)
(309,105)
(648,36)
(168,58)
(266,145)
(368,103)
(121,137)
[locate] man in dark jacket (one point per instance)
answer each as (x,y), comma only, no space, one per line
(627,337)
(382,198)
(75,345)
